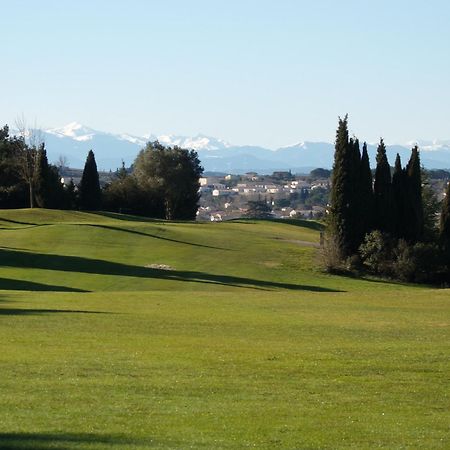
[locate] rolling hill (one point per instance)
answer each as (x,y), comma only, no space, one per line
(120,332)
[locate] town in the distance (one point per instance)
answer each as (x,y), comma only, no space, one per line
(285,194)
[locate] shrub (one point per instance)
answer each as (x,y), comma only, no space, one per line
(419,263)
(376,252)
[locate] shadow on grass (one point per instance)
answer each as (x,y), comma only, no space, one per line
(9,284)
(124,216)
(311,224)
(68,441)
(16,222)
(79,264)
(154,236)
(134,218)
(26,312)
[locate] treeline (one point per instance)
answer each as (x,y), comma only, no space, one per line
(389,224)
(163,182)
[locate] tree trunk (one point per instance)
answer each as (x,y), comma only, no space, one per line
(31,196)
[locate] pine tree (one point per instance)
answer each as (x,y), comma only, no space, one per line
(89,189)
(366,204)
(414,180)
(340,218)
(383,191)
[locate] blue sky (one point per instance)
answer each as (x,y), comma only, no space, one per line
(251,72)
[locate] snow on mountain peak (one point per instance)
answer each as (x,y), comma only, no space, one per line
(199,142)
(74,130)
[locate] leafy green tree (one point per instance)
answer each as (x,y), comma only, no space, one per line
(431,210)
(171,174)
(89,188)
(13,190)
(258,209)
(383,192)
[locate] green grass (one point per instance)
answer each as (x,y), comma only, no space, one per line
(244,344)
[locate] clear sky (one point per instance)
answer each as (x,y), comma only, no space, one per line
(269,73)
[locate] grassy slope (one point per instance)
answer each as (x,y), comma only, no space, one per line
(244,344)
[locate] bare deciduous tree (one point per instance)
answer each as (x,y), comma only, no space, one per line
(28,144)
(62,163)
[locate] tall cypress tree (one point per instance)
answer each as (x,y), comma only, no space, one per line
(400,197)
(414,180)
(42,188)
(340,218)
(89,189)
(356,199)
(366,205)
(383,191)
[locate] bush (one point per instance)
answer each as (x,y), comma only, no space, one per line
(419,263)
(377,253)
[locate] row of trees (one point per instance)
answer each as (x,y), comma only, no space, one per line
(388,222)
(163,182)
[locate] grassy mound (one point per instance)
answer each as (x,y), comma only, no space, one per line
(119,332)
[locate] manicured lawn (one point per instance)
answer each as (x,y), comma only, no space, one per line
(243,344)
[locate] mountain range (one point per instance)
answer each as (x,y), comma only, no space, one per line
(75,140)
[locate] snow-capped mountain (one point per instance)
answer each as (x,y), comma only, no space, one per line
(199,142)
(73,130)
(74,140)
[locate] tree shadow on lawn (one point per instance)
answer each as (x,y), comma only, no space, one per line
(26,312)
(311,224)
(9,284)
(69,441)
(134,218)
(79,264)
(141,233)
(17,221)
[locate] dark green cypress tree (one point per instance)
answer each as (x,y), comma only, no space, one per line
(383,191)
(48,191)
(340,217)
(414,180)
(366,204)
(89,188)
(356,199)
(42,188)
(399,193)
(444,225)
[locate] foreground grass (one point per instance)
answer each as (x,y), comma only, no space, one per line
(243,344)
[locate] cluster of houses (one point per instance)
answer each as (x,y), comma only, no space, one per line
(227,197)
